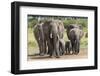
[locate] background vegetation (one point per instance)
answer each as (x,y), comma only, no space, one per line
(32,21)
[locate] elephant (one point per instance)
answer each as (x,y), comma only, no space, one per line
(56,33)
(68,47)
(75,33)
(61,47)
(39,36)
(48,40)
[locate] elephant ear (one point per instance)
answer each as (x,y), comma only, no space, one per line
(81,34)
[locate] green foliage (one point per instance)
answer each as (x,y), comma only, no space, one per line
(32,21)
(84,42)
(83,22)
(69,21)
(32,43)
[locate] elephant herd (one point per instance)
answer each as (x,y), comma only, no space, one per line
(49,36)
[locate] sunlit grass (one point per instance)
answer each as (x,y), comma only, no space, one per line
(32,43)
(84,42)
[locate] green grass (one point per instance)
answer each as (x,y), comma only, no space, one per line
(84,42)
(32,43)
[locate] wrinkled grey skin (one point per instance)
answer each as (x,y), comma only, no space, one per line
(39,36)
(75,33)
(68,47)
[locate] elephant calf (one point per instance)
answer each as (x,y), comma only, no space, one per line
(61,46)
(68,47)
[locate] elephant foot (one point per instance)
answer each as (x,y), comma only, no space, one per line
(73,53)
(57,56)
(61,54)
(41,54)
(67,53)
(50,56)
(76,53)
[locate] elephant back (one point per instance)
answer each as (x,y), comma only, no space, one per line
(74,28)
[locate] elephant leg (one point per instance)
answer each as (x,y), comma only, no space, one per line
(41,45)
(77,47)
(50,46)
(40,49)
(60,51)
(61,47)
(73,47)
(57,50)
(45,47)
(68,50)
(49,49)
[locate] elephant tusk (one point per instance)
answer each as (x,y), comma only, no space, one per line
(39,38)
(51,35)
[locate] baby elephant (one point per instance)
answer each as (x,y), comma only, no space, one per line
(61,47)
(68,47)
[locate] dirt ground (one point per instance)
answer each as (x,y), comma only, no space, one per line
(82,54)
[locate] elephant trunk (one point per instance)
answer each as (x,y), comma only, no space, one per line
(77,42)
(56,45)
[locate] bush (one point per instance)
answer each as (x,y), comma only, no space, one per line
(32,23)
(83,22)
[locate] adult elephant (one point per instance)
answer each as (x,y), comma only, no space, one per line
(75,33)
(39,36)
(42,36)
(46,31)
(56,34)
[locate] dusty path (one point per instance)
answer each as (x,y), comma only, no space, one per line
(83,54)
